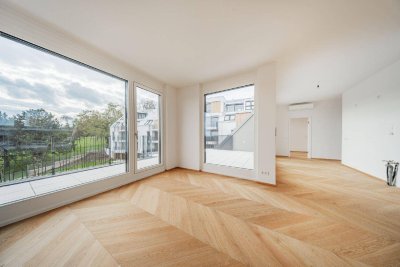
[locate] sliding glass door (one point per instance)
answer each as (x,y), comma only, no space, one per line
(148,128)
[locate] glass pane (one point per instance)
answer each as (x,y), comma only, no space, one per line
(229,128)
(148,129)
(58,117)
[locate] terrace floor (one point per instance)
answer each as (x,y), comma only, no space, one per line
(16,192)
(238,159)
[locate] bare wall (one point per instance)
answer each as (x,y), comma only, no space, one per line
(326,128)
(298,134)
(189,127)
(371,122)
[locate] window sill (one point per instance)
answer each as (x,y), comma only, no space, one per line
(16,192)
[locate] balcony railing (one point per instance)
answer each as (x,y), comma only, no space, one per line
(44,158)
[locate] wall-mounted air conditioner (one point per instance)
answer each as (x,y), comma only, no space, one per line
(301,106)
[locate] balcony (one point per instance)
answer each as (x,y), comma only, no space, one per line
(39,167)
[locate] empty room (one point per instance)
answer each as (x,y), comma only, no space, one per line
(199,133)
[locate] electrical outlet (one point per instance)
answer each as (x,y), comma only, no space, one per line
(265,173)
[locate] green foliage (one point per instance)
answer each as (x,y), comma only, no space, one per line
(38,138)
(90,143)
(96,123)
(37,118)
(36,125)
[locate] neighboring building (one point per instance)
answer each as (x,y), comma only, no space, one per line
(147,139)
(148,134)
(223,118)
(118,142)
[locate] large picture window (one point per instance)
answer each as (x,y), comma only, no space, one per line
(58,117)
(229,128)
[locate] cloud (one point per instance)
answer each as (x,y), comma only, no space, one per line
(79,92)
(30,78)
(21,89)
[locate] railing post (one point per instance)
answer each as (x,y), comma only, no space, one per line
(109,150)
(53,165)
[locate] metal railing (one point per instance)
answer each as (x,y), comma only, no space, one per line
(38,159)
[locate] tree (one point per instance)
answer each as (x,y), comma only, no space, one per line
(3,115)
(66,121)
(112,113)
(36,125)
(89,123)
(96,123)
(4,119)
(38,118)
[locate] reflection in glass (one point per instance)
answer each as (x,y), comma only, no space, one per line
(148,128)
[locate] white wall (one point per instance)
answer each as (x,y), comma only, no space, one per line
(298,134)
(326,128)
(371,122)
(171,126)
(189,127)
(265,113)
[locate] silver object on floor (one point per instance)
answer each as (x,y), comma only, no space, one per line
(391,172)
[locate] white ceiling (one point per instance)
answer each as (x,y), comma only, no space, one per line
(334,43)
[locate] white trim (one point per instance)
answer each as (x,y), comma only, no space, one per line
(246,79)
(309,138)
(131,124)
(309,134)
(230,171)
(161,133)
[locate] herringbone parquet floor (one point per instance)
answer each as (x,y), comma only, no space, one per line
(321,214)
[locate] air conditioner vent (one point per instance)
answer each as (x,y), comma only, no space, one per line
(301,106)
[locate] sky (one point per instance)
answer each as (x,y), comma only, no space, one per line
(233,94)
(143,94)
(33,79)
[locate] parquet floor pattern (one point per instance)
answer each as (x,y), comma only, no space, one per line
(321,213)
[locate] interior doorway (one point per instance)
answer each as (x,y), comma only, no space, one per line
(300,138)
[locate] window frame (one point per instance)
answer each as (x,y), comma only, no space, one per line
(249,105)
(29,206)
(231,117)
(161,131)
(126,110)
(224,169)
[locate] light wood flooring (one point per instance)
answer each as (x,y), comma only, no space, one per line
(320,214)
(298,154)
